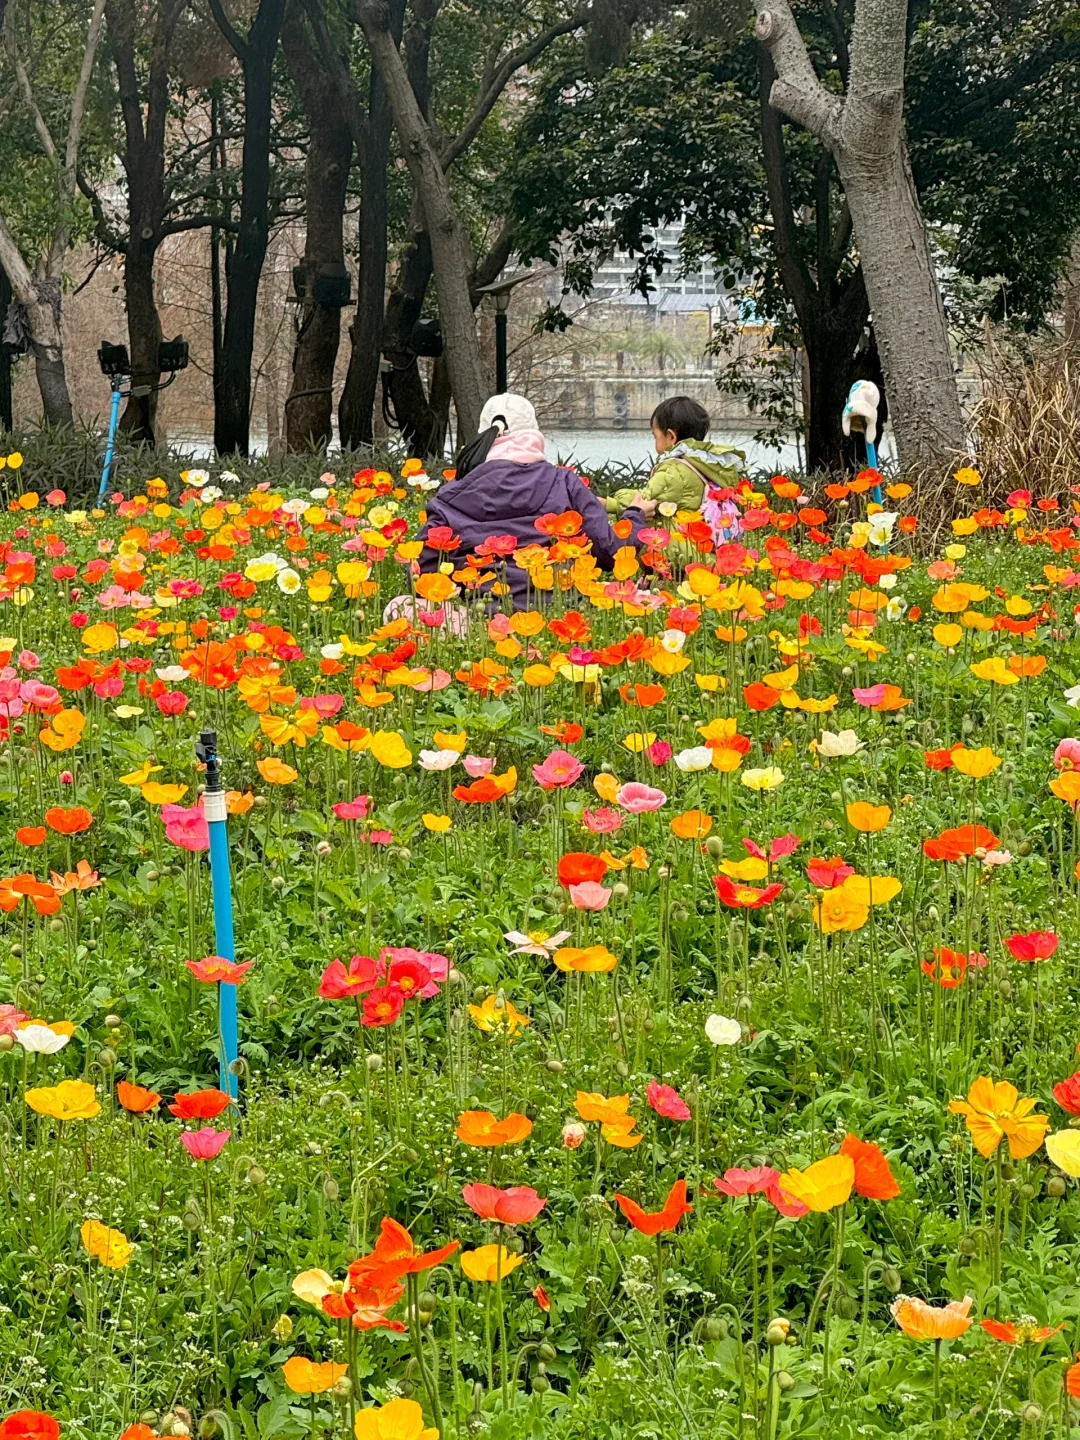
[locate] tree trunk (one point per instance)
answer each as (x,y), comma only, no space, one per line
(357,405)
(232,382)
(310,406)
(864,131)
(6,419)
(450,247)
(1070,300)
(144,166)
(406,397)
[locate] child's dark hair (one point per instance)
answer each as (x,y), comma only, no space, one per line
(688,419)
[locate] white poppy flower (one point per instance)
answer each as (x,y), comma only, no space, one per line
(698,758)
(437,759)
(835,745)
(40,1039)
(719,1030)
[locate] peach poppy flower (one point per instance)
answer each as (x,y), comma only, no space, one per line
(932,1322)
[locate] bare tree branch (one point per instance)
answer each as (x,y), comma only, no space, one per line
(515,60)
(236,42)
(352,106)
(797,91)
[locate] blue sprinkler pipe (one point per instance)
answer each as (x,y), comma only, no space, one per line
(110,444)
(221,882)
(871,460)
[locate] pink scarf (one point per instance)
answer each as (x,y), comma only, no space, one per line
(520,447)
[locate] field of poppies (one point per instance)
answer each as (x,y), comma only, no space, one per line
(658,1007)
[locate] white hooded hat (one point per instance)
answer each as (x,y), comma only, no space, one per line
(511,412)
(861,410)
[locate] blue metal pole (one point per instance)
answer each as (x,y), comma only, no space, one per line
(114,416)
(871,460)
(221,882)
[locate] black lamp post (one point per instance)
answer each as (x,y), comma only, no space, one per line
(500,293)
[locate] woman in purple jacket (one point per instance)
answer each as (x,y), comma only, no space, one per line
(507,484)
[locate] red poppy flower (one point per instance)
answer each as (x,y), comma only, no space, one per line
(745,897)
(666,1101)
(540,1295)
(940,759)
(29,1425)
(565,524)
(442,537)
(652,1223)
(565,731)
(200,1105)
(827,874)
(957,843)
(1067,1093)
(481,792)
(578,868)
(31,835)
(382,1005)
(873,1178)
(1038,945)
(760,696)
(340,984)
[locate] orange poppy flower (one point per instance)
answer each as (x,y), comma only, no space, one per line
(307,1377)
(692,825)
(68,822)
(867,818)
(644,696)
(41,895)
(1011,1334)
(481,1128)
(31,835)
(874,1179)
(396,1255)
(759,696)
(136,1098)
(1072,1380)
(654,1222)
(932,1322)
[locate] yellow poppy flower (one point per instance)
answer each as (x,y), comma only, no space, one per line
(994,1112)
(824,1185)
(490,1262)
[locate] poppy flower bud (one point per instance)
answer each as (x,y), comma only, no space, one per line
(555,1066)
(208,1428)
(664,871)
(1024,848)
(55,926)
(113,1022)
(7,1042)
(847,1307)
(256,1175)
(541,1385)
(785,1380)
(714,1328)
(714,846)
(892,1279)
(547,1352)
(777,1332)
(572,1134)
(1008,1171)
(282,1328)
(1005,989)
(620,890)
(153,875)
(149,1417)
(455,977)
(374,1063)
(622,1069)
(1030,1414)
(342,1388)
(278,882)
(323,847)
(260,802)
(428,1302)
(1055,1187)
(330,1189)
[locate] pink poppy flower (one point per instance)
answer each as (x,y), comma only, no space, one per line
(173,702)
(39,696)
(604,821)
(478,766)
(516,1205)
(353,809)
(56,497)
(558,770)
(590,895)
(666,1101)
(186,826)
(747,1182)
(637,798)
(11,1017)
(870,696)
(337,983)
(659,752)
(781,847)
(437,966)
(325,706)
(434,680)
(1067,755)
(204,1144)
(28,660)
(217,970)
(786,1204)
(538,944)
(378,837)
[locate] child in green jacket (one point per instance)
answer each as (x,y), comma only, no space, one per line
(688,461)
